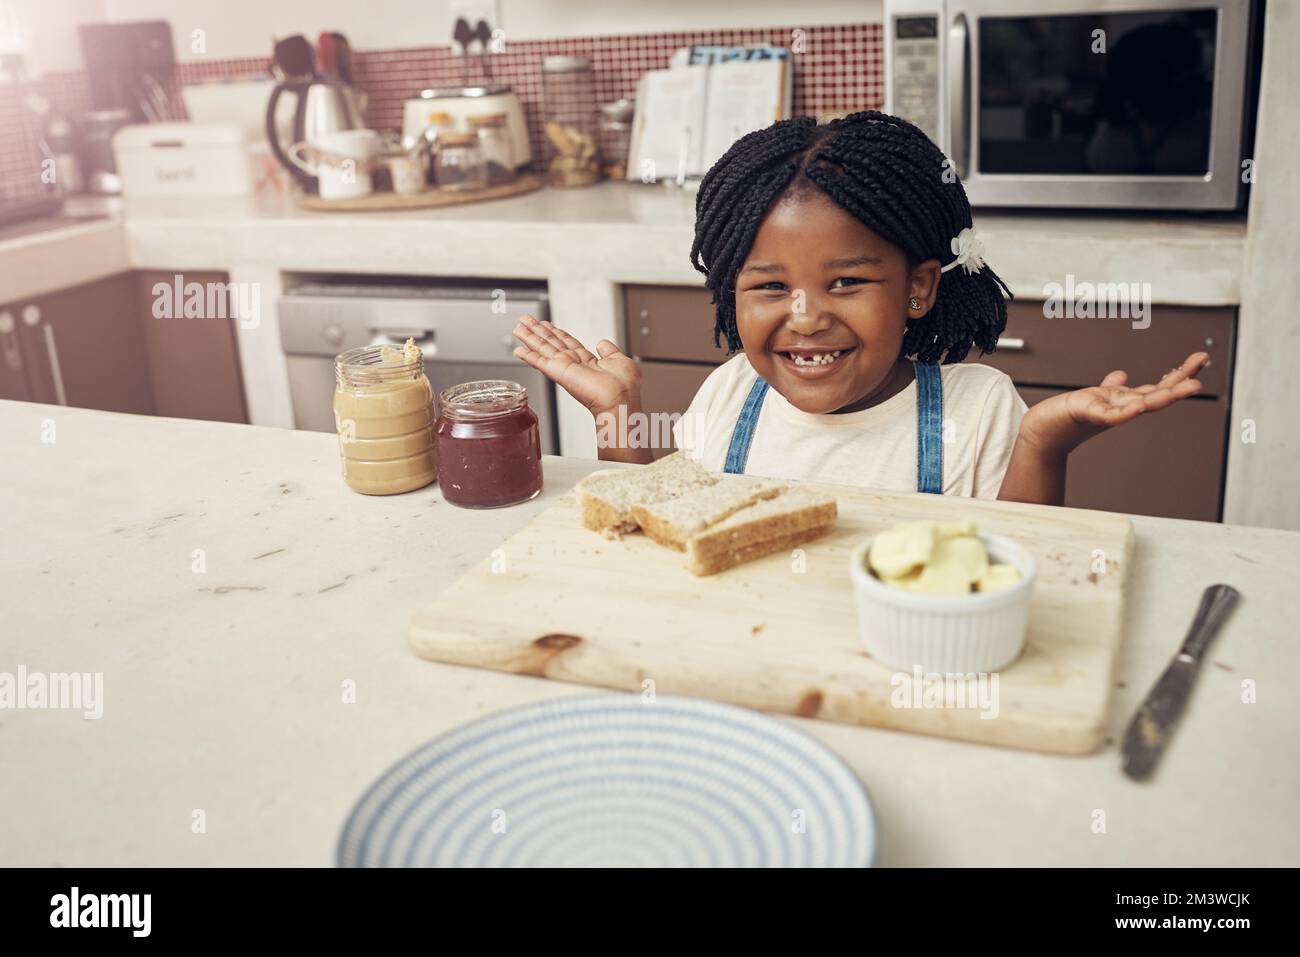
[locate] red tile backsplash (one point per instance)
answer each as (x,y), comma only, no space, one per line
(840,68)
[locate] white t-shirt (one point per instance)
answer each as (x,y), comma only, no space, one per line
(874,448)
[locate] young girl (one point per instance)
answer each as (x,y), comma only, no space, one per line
(844,269)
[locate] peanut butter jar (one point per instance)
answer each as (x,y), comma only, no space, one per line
(384,413)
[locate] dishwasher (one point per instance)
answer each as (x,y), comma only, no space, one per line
(464,330)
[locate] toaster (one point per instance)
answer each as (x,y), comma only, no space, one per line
(462,102)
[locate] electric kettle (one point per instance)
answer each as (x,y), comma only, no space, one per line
(324,106)
(326,101)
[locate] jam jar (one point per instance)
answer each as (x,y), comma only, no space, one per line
(489,450)
(383,410)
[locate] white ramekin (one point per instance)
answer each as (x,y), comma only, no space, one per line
(945,634)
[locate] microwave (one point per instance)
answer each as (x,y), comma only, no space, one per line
(1104,104)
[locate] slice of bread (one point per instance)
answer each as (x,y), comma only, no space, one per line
(608,497)
(792,517)
(671,523)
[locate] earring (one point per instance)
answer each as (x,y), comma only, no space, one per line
(914,303)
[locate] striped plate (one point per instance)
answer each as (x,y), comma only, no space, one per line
(613,780)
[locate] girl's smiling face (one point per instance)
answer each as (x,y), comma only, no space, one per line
(821,306)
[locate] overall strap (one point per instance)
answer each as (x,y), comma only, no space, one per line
(743,433)
(929,428)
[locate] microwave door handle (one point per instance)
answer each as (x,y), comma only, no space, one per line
(958,103)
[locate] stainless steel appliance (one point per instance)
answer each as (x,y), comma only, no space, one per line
(464,331)
(325,101)
(1141,104)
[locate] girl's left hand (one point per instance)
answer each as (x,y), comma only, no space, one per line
(1058,424)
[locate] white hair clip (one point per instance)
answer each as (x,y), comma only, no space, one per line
(969,250)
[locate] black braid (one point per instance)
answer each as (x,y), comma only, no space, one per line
(884,172)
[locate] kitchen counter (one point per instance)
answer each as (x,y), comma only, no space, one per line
(624,233)
(230,587)
(584,243)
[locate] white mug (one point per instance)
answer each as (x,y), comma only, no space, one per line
(342,162)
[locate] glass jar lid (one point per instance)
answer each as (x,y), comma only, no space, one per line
(483,399)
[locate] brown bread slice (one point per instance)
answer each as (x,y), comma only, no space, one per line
(794,516)
(671,523)
(607,497)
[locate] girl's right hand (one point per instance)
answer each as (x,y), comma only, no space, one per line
(600,382)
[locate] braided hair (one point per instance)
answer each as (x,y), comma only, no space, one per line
(884,172)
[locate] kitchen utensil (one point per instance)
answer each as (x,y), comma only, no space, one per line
(294,58)
(1149,731)
(340,160)
(325,62)
(615,780)
(463,33)
(483,34)
(955,634)
(342,58)
(780,634)
(97,163)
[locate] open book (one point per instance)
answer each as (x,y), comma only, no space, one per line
(688,116)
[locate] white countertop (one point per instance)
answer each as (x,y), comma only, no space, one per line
(223,690)
(621,232)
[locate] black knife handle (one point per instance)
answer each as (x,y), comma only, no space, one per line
(1217,603)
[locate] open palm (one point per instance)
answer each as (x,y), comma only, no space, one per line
(1063,421)
(600,382)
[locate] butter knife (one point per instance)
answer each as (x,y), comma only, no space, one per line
(1151,727)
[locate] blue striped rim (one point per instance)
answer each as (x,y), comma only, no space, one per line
(535,812)
(512,770)
(760,728)
(852,808)
(546,733)
(602,703)
(700,840)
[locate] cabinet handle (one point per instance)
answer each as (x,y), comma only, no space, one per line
(55,372)
(1011,344)
(13,357)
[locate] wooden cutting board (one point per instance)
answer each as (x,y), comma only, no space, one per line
(780,634)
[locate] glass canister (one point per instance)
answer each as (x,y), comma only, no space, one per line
(615,137)
(494,141)
(383,411)
(459,162)
(569,102)
(489,449)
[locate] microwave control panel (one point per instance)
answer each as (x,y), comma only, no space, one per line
(915,75)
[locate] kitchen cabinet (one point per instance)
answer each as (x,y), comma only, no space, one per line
(13,370)
(84,347)
(1170,464)
(193,362)
(101,346)
(668,387)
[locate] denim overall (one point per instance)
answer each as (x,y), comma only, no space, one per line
(929,428)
